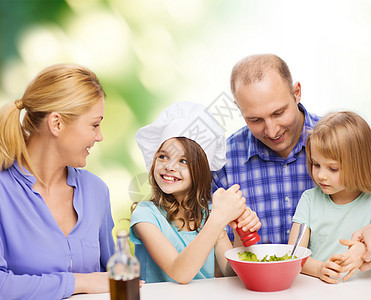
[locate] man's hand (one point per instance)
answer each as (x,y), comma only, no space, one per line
(364,235)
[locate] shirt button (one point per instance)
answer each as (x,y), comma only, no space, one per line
(287,199)
(285,166)
(288,231)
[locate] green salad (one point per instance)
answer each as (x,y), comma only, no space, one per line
(250,256)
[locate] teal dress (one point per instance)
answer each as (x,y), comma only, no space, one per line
(147,212)
(329,222)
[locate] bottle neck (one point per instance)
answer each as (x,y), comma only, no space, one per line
(122,244)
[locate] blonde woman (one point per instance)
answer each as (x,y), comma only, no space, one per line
(55,218)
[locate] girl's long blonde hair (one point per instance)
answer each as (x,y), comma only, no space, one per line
(196,203)
(346,138)
(68,89)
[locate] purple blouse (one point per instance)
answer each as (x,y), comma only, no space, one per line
(37,260)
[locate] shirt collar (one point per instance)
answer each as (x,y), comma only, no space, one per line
(72,177)
(22,174)
(307,127)
(30,179)
(256,147)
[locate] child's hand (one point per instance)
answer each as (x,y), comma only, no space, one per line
(329,270)
(352,257)
(247,221)
(228,205)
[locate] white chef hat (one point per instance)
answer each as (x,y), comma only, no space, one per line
(184,119)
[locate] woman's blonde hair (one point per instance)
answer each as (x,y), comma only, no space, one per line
(346,138)
(68,89)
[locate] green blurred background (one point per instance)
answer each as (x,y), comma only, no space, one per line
(151,53)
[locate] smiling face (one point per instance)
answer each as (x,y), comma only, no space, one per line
(171,171)
(80,135)
(271,112)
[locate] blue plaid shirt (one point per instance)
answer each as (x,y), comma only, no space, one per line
(271,185)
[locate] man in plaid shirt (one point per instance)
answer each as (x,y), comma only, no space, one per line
(267,157)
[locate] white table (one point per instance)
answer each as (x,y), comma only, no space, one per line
(303,288)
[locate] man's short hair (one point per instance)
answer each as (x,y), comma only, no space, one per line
(253,69)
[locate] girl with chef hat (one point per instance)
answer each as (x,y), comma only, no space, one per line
(175,234)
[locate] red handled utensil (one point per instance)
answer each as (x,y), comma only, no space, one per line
(248,238)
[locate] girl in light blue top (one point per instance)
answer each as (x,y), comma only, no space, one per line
(55,218)
(339,162)
(176,235)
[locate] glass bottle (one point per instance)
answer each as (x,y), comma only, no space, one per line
(123,271)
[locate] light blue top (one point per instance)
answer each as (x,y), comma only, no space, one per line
(147,212)
(37,260)
(330,222)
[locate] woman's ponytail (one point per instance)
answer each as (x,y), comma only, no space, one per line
(12,136)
